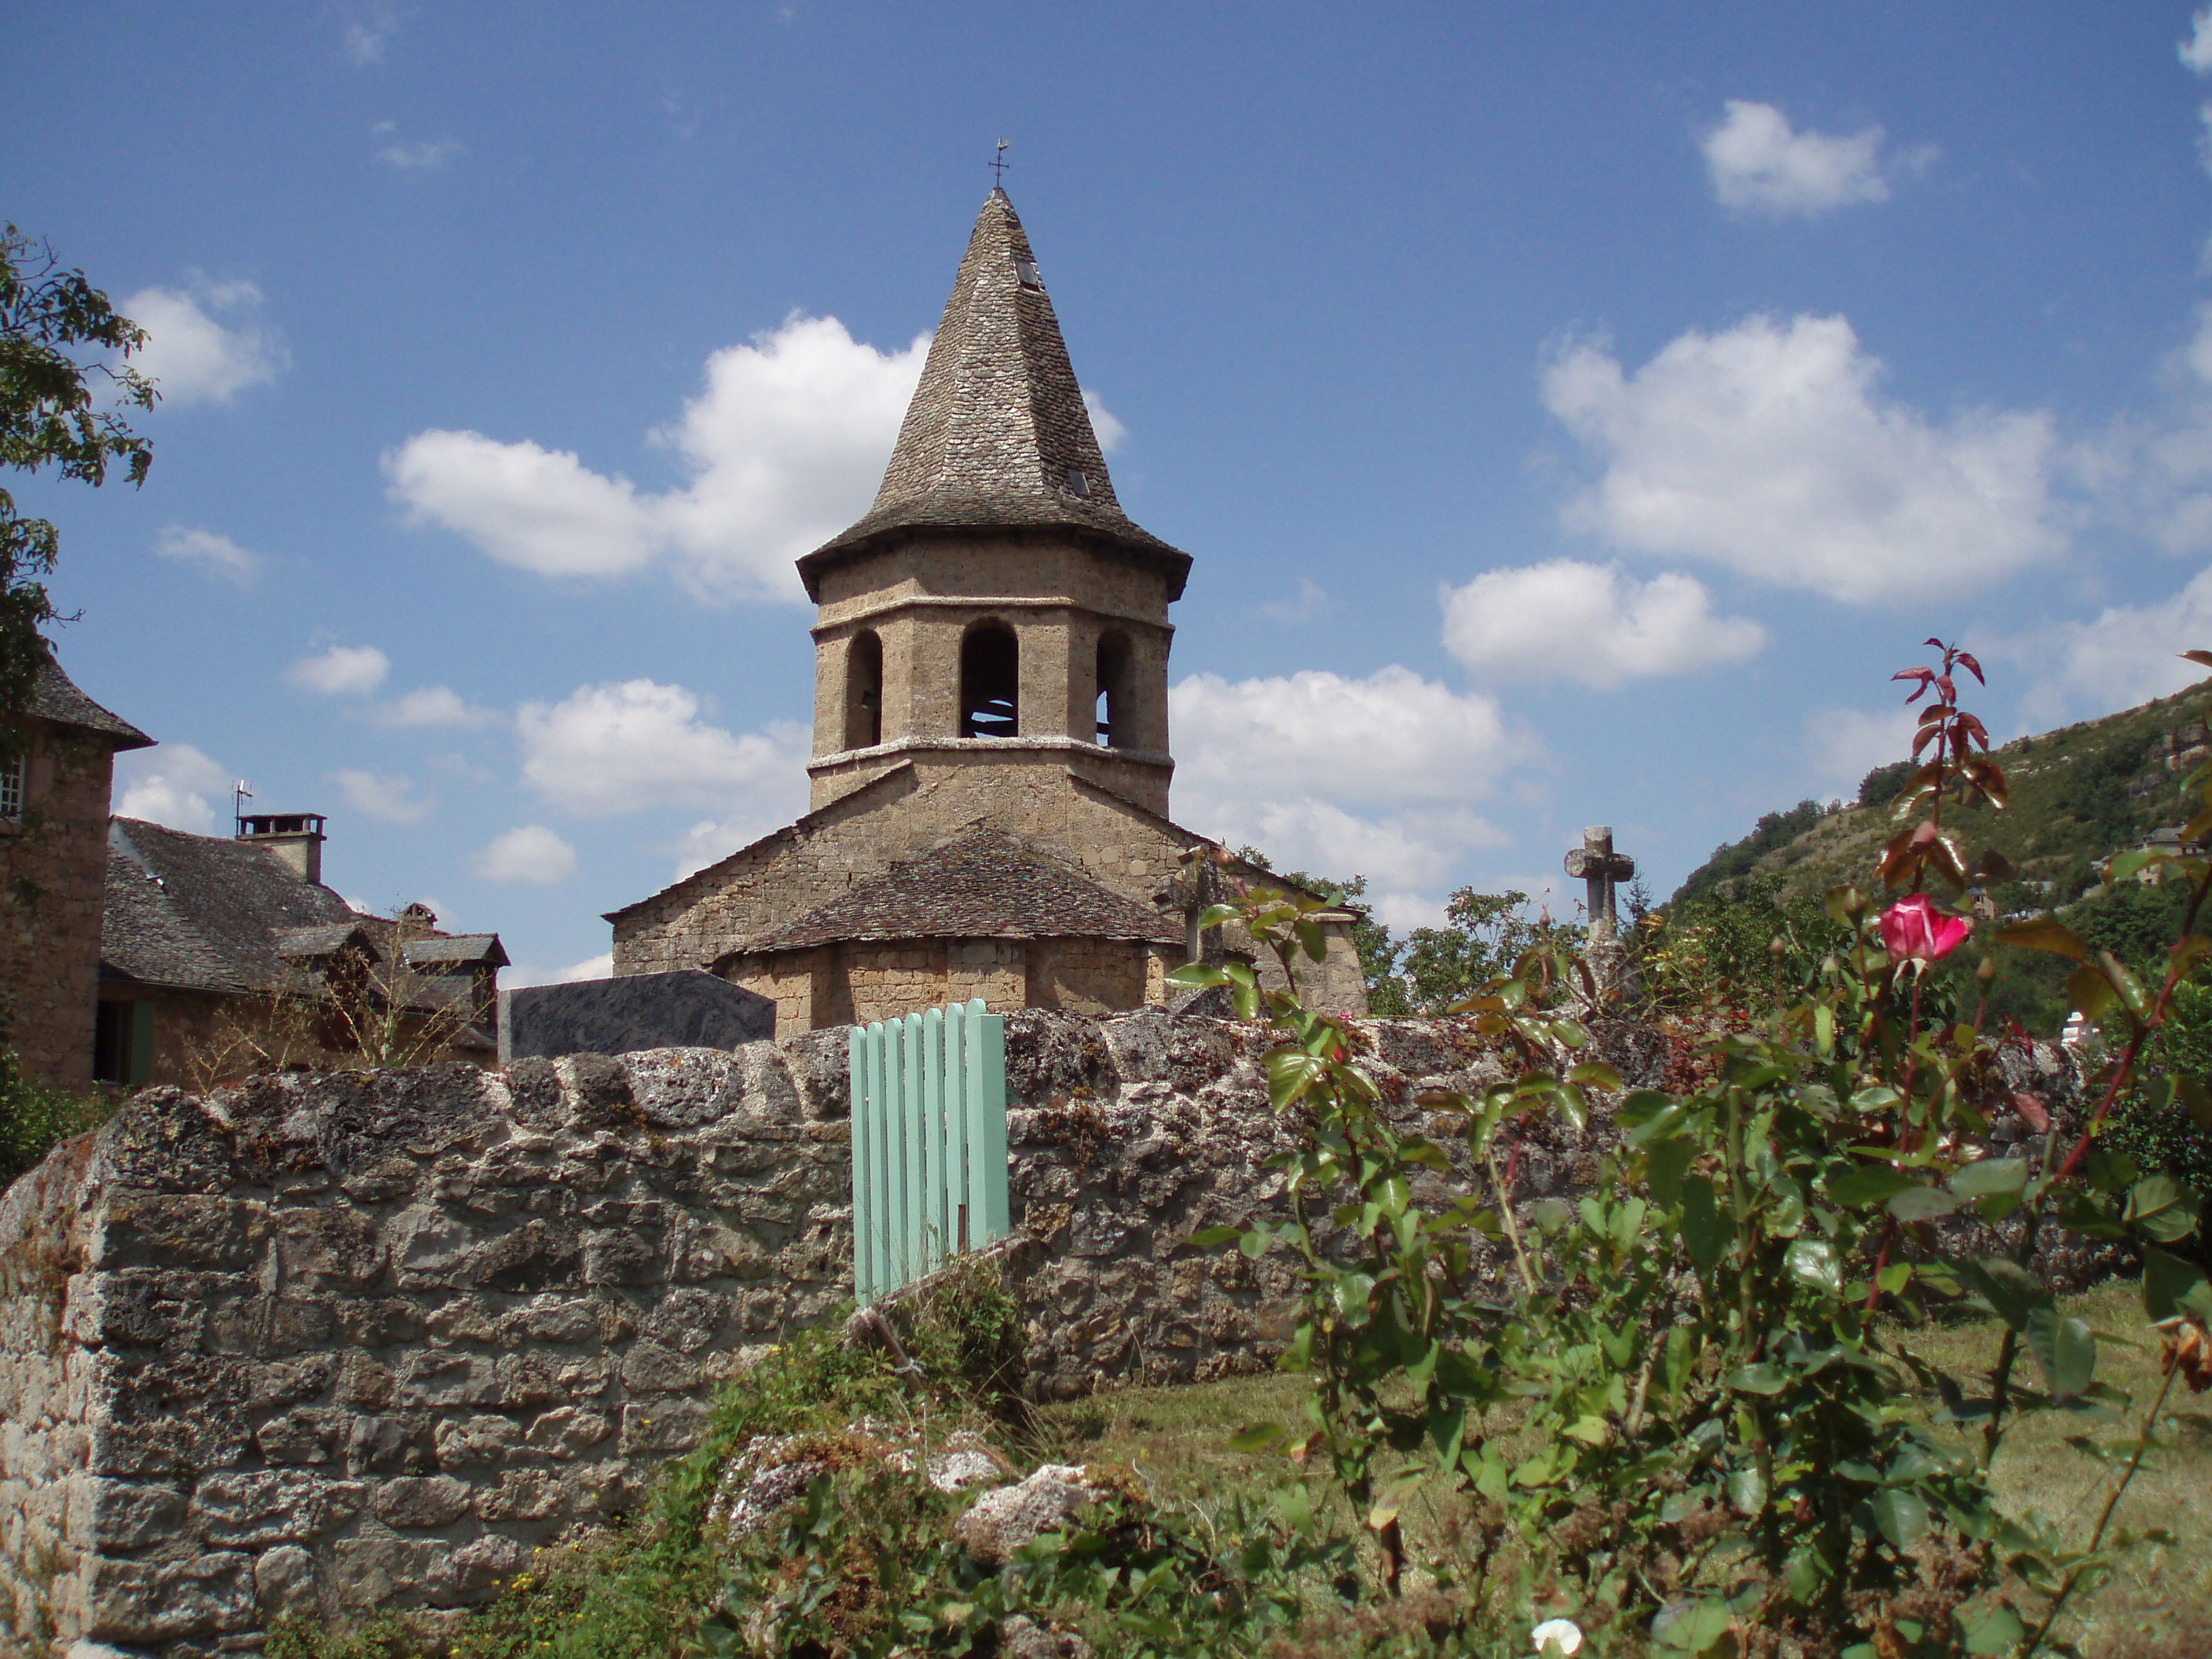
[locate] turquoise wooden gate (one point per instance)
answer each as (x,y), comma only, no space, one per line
(929,1142)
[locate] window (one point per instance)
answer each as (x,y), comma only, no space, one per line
(14,778)
(1078,482)
(990,682)
(123,1043)
(864,691)
(1114,711)
(1025,272)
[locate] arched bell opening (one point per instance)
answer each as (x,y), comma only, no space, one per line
(1115,716)
(990,682)
(864,691)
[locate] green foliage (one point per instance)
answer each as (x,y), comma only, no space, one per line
(1483,935)
(35,1119)
(48,419)
(1710,953)
(1713,1346)
(1731,863)
(1378,951)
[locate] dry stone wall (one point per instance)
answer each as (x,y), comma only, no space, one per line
(343,1343)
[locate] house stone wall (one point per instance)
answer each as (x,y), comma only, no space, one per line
(354,1342)
(53,875)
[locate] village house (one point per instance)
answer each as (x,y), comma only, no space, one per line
(222,955)
(53,862)
(991,763)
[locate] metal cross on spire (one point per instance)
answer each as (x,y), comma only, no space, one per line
(999,166)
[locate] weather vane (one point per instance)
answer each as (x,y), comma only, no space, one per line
(999,166)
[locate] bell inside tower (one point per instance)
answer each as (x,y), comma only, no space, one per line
(990,682)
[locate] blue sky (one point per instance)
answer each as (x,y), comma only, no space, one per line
(1572,421)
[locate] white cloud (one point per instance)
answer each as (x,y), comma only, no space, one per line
(413,154)
(1842,746)
(1760,164)
(1302,606)
(785,446)
(1109,432)
(170,784)
(365,26)
(1590,623)
(386,798)
(434,705)
(210,553)
(1373,776)
(2196,51)
(616,747)
(194,357)
(341,670)
(1769,449)
(531,854)
(601,966)
(2126,655)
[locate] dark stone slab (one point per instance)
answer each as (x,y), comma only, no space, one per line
(688,1009)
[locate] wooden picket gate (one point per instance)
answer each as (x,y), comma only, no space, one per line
(929,1142)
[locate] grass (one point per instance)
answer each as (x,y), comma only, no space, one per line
(2158,1601)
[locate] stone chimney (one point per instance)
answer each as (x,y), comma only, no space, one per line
(295,837)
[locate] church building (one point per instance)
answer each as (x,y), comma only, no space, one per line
(991,764)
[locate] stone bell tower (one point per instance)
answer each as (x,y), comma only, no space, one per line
(995,612)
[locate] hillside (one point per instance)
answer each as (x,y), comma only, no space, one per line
(2078,794)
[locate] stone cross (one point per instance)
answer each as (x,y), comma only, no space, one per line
(1599,868)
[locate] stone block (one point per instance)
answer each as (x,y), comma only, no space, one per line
(650,1368)
(399,1444)
(476,1441)
(612,1258)
(567,1430)
(284,1582)
(662,1426)
(330,1249)
(374,1570)
(254,1509)
(122,1515)
(523,1495)
(147,1601)
(192,1230)
(310,1435)
(420,1501)
(437,1377)
(689,1008)
(473,1571)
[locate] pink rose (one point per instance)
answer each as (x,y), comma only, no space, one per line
(1914,929)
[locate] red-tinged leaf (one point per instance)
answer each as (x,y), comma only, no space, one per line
(1950,689)
(2045,934)
(1914,673)
(1932,640)
(2032,1109)
(1934,714)
(1975,730)
(1971,666)
(2203,657)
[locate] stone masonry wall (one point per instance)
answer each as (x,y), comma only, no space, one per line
(53,875)
(352,1342)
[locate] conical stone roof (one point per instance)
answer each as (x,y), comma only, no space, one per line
(997,435)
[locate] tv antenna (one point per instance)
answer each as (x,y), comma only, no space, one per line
(999,166)
(242,793)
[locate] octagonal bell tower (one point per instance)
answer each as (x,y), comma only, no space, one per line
(996,611)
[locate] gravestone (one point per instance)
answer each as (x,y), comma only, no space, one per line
(689,1008)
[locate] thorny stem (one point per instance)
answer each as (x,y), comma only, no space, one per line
(2156,1018)
(2081,1569)
(1505,1192)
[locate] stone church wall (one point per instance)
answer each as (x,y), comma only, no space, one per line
(359,1341)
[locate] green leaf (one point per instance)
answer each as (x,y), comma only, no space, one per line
(1258,1436)
(1701,1223)
(1918,1203)
(1664,1166)
(1996,1633)
(2055,937)
(1902,1516)
(2010,1289)
(2065,1348)
(1596,1074)
(2160,1206)
(1207,1238)
(2172,1286)
(1763,1378)
(1866,1185)
(1695,1629)
(1991,1174)
(1812,1262)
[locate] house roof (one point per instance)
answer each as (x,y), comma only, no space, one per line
(210,914)
(56,698)
(997,435)
(982,883)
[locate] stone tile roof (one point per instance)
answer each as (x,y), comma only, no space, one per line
(56,698)
(981,884)
(997,435)
(208,913)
